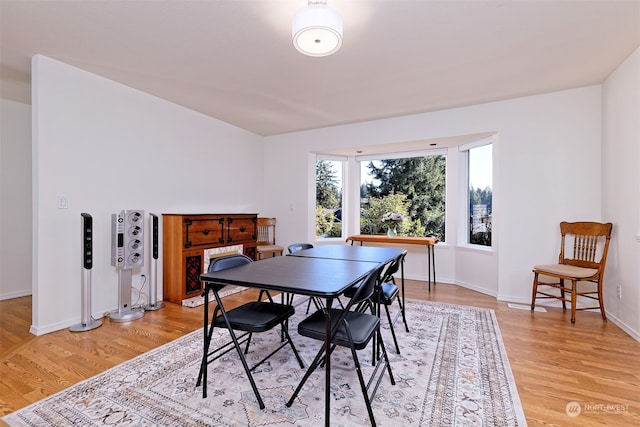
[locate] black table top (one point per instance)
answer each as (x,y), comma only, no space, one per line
(320,277)
(352,253)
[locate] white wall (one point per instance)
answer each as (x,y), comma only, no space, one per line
(621,191)
(546,143)
(108,147)
(15,203)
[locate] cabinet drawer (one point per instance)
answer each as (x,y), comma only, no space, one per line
(203,231)
(241,229)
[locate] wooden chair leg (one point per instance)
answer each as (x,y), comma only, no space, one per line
(573,301)
(535,291)
(601,301)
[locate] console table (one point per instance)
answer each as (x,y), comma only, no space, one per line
(186,238)
(429,242)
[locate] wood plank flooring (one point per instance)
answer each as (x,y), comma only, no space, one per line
(592,363)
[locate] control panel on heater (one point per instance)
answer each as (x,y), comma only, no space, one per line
(87,241)
(127,239)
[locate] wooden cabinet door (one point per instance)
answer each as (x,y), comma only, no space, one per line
(241,229)
(203,230)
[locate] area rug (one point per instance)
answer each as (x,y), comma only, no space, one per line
(452,371)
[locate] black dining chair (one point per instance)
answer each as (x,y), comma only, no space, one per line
(353,329)
(384,295)
(249,318)
(387,293)
(299,247)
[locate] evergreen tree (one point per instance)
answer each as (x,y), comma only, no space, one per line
(422,181)
(327,190)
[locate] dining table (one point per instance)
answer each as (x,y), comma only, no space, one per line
(322,278)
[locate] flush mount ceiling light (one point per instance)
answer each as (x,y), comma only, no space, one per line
(317,29)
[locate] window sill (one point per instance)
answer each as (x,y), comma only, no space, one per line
(489,250)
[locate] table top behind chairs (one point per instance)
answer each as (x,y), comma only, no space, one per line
(352,253)
(428,241)
(317,277)
(383,238)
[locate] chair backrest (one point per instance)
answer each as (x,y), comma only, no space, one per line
(224,262)
(393,268)
(228,261)
(299,247)
(585,244)
(366,288)
(266,231)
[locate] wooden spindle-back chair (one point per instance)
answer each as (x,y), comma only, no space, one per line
(583,256)
(267,239)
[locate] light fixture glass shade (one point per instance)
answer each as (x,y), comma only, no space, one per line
(317,30)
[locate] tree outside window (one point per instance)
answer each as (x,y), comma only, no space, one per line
(413,187)
(480,195)
(328,198)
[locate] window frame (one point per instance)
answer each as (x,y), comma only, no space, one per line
(343,205)
(463,222)
(360,159)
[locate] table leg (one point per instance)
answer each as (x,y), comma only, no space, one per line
(431,263)
(433,260)
(402,284)
(204,344)
(327,362)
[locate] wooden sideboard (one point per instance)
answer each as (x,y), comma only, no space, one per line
(186,238)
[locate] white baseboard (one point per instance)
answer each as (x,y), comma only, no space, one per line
(476,288)
(628,329)
(13,295)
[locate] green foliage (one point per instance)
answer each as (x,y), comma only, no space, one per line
(416,229)
(328,200)
(328,194)
(369,222)
(324,221)
(422,181)
(336,230)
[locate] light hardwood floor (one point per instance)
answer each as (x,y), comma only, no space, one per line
(592,363)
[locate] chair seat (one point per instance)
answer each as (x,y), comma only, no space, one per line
(269,248)
(256,316)
(362,325)
(566,270)
(388,292)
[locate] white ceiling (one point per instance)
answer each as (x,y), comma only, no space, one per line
(234,60)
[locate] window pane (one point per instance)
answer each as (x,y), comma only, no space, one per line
(329,198)
(413,187)
(480,195)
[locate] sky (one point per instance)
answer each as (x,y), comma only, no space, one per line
(481,167)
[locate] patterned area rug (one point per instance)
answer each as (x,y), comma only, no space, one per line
(452,370)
